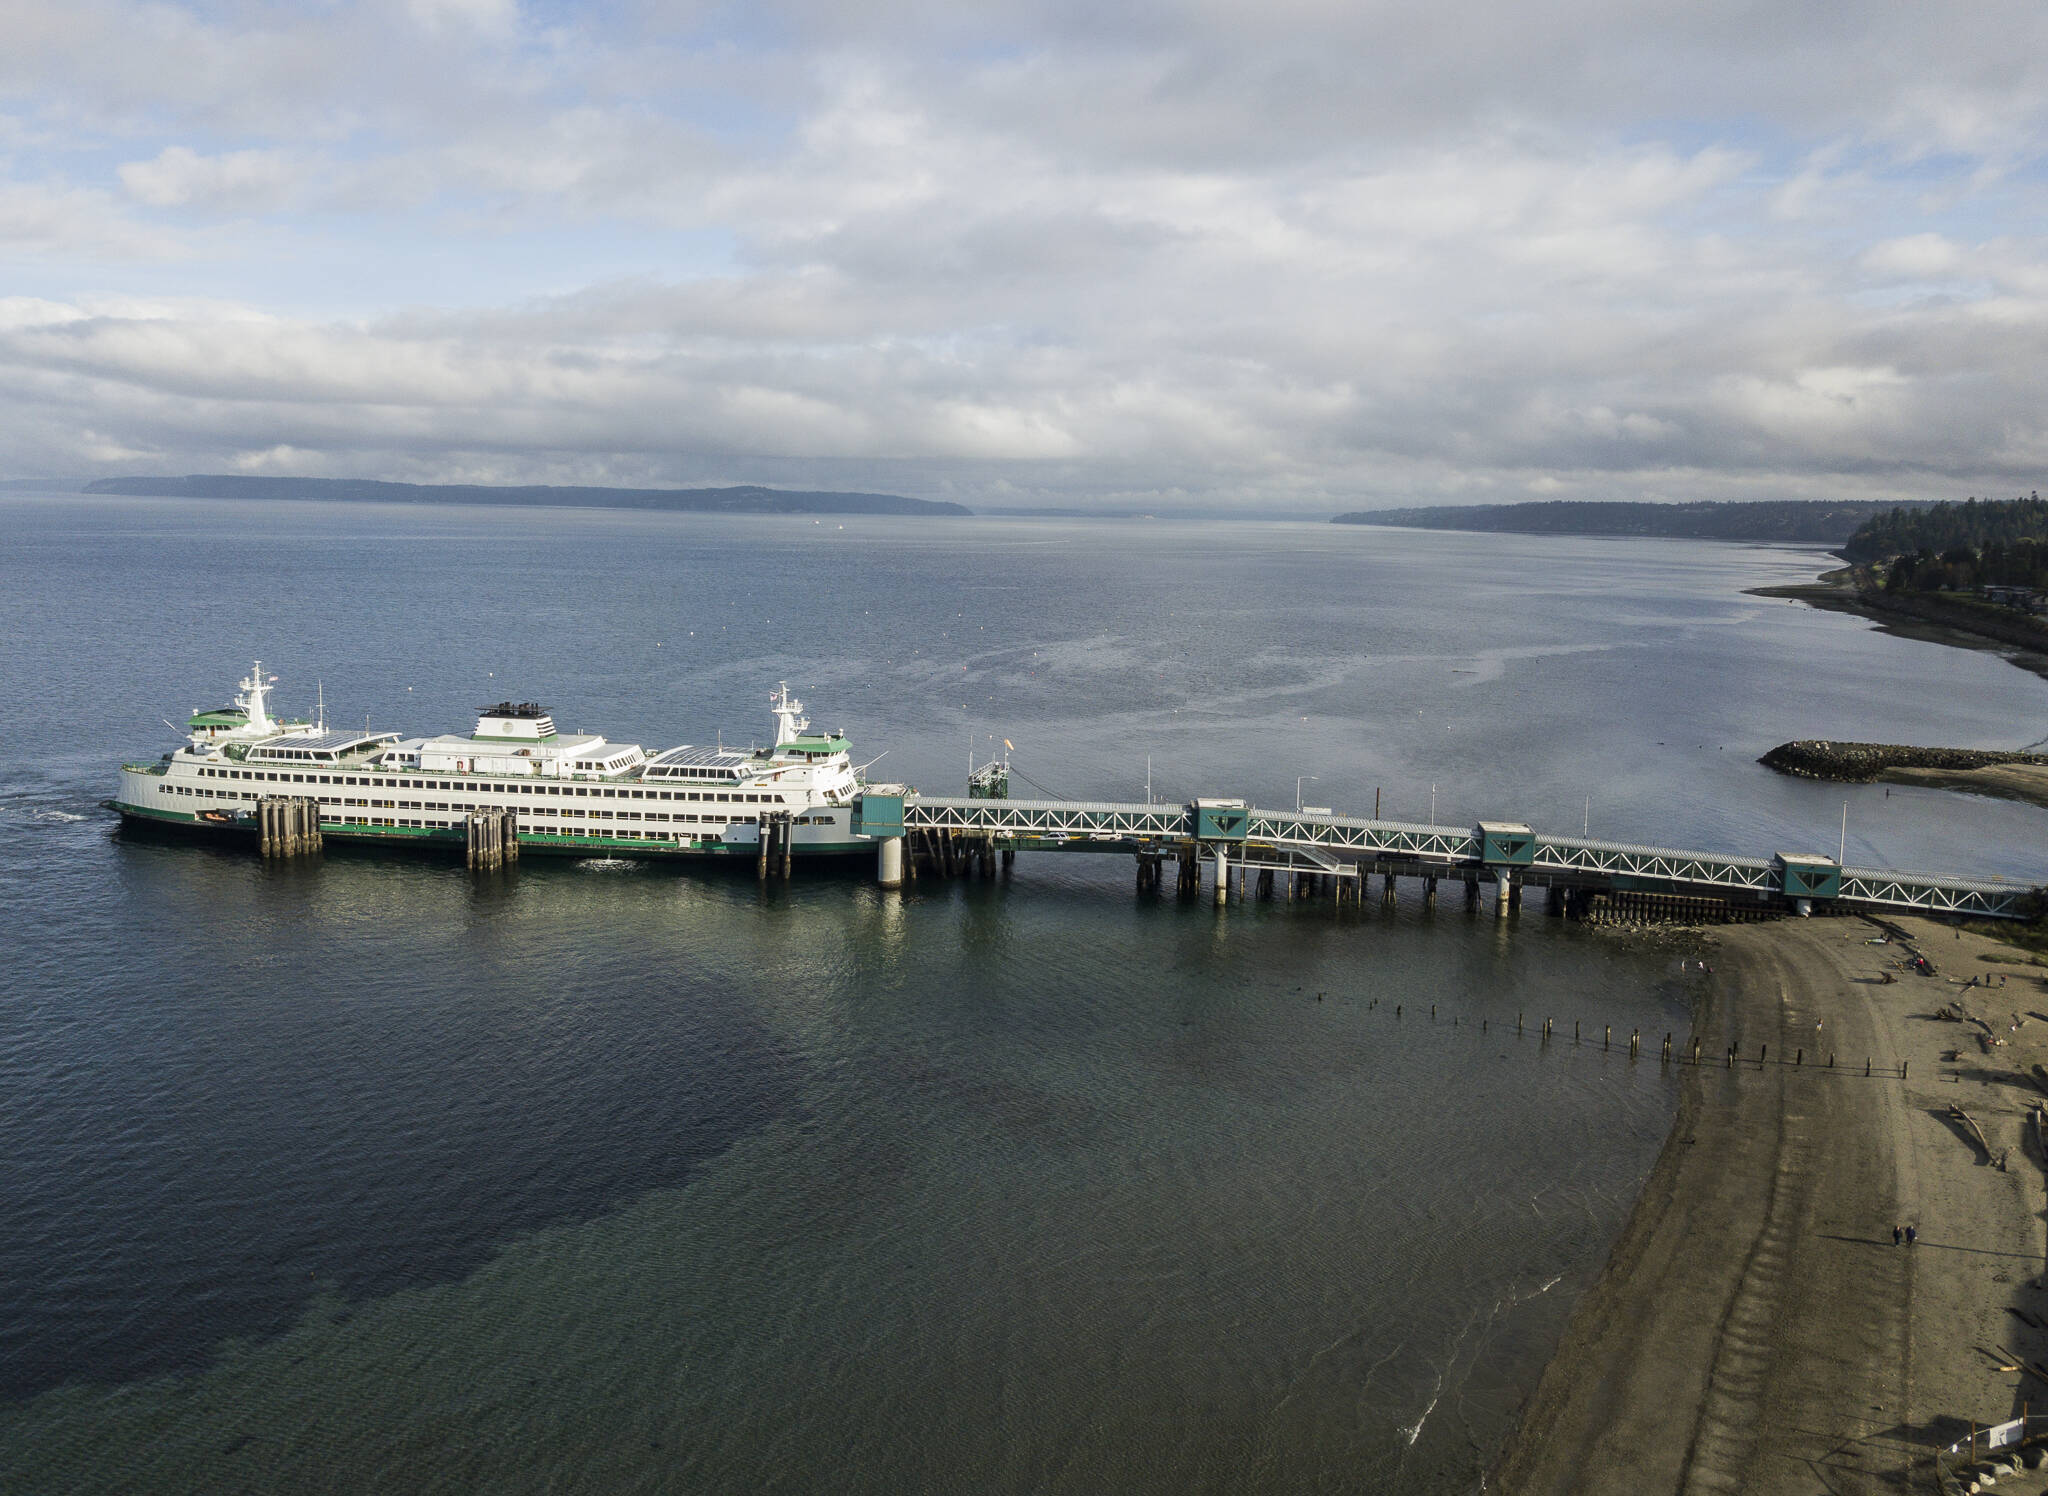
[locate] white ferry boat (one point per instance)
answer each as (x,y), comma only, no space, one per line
(574,793)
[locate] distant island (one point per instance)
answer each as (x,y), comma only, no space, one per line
(1789,521)
(744,500)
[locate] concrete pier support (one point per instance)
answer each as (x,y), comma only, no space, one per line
(1503,893)
(1471,891)
(1429,893)
(1222,877)
(889,862)
(1388,898)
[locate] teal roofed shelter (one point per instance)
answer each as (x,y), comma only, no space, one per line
(1221,820)
(1801,875)
(1506,844)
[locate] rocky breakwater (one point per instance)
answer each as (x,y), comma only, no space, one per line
(1863,763)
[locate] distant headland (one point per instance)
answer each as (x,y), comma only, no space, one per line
(1786,521)
(743,500)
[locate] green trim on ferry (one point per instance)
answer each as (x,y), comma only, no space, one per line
(812,745)
(535,841)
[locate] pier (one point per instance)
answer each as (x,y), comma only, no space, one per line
(1336,857)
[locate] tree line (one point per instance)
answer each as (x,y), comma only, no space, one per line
(1977,535)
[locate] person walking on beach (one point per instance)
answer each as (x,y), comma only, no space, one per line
(1897,1233)
(1911,1236)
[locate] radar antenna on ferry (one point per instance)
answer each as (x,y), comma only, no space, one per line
(254,688)
(789,717)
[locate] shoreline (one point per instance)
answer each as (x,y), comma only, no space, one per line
(1931,622)
(1754,1328)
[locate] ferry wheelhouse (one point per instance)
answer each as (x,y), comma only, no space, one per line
(579,794)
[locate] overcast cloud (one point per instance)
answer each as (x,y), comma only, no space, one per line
(1304,255)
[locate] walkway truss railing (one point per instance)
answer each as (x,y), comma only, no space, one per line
(1315,842)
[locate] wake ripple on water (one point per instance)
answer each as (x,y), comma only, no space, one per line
(1502,1305)
(48,815)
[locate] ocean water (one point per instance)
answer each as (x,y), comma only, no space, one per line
(367,1173)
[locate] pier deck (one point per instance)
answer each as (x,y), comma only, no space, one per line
(1222,833)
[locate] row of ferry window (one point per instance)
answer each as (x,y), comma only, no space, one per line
(673,838)
(502,789)
(606,814)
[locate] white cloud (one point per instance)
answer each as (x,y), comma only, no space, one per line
(234,181)
(47,219)
(1316,249)
(1915,255)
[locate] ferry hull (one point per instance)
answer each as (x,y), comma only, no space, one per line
(442,841)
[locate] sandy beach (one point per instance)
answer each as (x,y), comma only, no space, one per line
(1756,1329)
(2007,781)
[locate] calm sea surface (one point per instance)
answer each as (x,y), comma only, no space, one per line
(370,1174)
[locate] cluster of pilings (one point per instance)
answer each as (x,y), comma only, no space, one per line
(1187,874)
(288,827)
(1633,907)
(956,854)
(774,833)
(493,838)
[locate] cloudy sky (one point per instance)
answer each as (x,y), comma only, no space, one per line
(1298,254)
